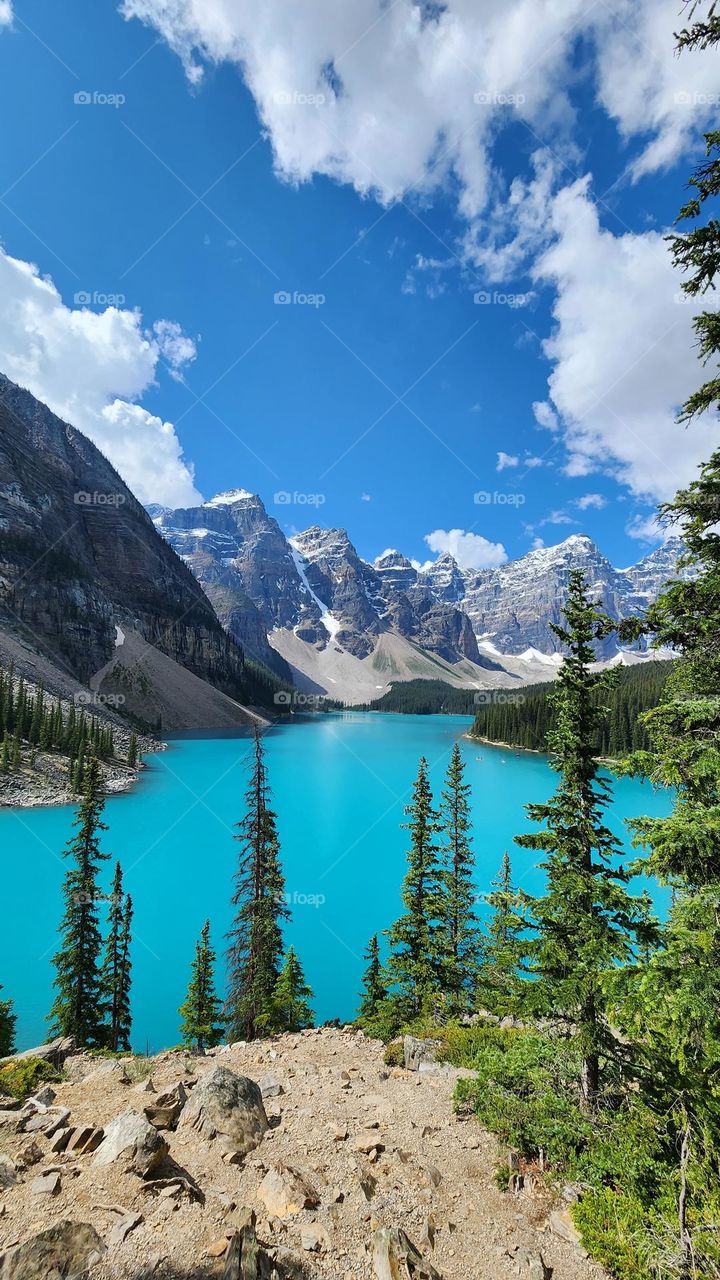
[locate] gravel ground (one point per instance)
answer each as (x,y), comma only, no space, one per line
(433,1176)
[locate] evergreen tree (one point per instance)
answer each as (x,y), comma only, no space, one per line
(586,920)
(415,966)
(7,1028)
(505,948)
(115,975)
(255,940)
(460,933)
(374,992)
(77,1009)
(200,1012)
(672,1001)
(290,1008)
(132,755)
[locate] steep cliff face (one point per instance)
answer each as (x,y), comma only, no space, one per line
(80,558)
(515,605)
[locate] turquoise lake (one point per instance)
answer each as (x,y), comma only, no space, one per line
(339,783)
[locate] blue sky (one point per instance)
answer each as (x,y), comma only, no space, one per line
(386,394)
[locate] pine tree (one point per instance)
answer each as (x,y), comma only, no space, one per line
(7,1028)
(255,940)
(374,992)
(290,1008)
(504,949)
(460,932)
(415,966)
(115,975)
(77,1009)
(672,1000)
(132,754)
(200,1012)
(586,920)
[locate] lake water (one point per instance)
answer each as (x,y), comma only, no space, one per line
(340,783)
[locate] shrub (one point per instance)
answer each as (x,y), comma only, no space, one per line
(21,1078)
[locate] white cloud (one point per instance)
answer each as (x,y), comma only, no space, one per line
(623,350)
(532,461)
(394,97)
(174,346)
(91,368)
(470,550)
(537,543)
(505,460)
(366,497)
(647,529)
(6,13)
(591,501)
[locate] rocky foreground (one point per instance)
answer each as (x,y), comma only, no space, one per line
(298,1157)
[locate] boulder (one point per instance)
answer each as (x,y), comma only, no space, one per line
(67,1250)
(131,1139)
(396,1258)
(164,1110)
(246,1259)
(84,1139)
(285,1191)
(418,1051)
(223,1103)
(314,1238)
(8,1171)
(55,1052)
(270,1086)
(48,1184)
(122,1229)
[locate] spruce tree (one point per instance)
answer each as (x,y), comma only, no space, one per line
(586,920)
(415,965)
(132,754)
(77,1009)
(200,1012)
(290,1008)
(672,1001)
(116,969)
(460,932)
(7,1028)
(374,993)
(255,946)
(505,948)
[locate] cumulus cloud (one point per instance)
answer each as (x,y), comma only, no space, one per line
(6,13)
(470,550)
(623,350)
(92,368)
(505,460)
(591,502)
(173,346)
(400,97)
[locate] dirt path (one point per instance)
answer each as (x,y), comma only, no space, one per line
(433,1177)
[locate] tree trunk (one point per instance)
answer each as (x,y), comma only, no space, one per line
(590,1081)
(685,1242)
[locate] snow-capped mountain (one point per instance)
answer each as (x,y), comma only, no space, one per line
(311,606)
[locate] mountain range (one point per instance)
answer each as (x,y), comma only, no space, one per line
(196,614)
(308,605)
